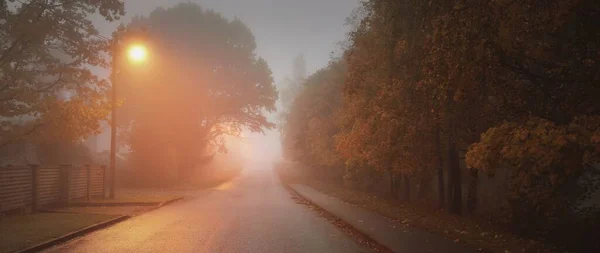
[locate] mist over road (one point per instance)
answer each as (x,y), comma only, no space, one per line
(252,213)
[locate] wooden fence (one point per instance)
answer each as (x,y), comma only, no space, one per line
(32,187)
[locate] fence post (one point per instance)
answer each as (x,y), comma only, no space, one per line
(64,183)
(88,169)
(34,187)
(103,167)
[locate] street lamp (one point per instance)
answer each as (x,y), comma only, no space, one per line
(137,53)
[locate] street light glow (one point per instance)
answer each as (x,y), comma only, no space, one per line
(137,53)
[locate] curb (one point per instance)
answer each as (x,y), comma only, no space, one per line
(115,204)
(374,242)
(166,202)
(69,236)
(154,205)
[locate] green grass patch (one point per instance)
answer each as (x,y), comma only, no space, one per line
(21,231)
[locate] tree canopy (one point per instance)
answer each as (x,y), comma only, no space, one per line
(47,91)
(444,90)
(205,81)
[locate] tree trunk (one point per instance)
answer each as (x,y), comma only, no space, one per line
(454,182)
(391,64)
(392,185)
(454,177)
(472,192)
(440,168)
(424,187)
(406,188)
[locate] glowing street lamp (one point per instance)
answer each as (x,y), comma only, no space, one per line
(137,53)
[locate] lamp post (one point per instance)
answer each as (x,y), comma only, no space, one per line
(136,53)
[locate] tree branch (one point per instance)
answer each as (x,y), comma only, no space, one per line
(29,132)
(58,80)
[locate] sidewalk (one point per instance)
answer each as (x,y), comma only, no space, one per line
(393,235)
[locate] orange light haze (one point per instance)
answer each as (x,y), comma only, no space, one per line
(137,53)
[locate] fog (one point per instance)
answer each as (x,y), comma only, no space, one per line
(291,125)
(282,30)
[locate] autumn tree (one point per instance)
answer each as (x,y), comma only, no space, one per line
(291,87)
(387,106)
(205,81)
(47,91)
(546,89)
(312,121)
(513,84)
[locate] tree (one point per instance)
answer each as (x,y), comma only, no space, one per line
(312,124)
(545,87)
(294,84)
(290,90)
(552,168)
(387,106)
(205,82)
(513,84)
(47,91)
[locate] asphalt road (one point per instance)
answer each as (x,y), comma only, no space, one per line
(253,213)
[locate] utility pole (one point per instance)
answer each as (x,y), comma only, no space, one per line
(113,115)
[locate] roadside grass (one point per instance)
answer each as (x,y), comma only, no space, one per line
(134,196)
(108,210)
(18,232)
(476,233)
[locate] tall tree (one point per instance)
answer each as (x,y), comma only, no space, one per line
(312,123)
(205,82)
(293,85)
(546,86)
(290,90)
(47,91)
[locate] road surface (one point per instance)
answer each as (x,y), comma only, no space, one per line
(253,213)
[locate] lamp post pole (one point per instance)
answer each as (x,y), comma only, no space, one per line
(137,54)
(113,115)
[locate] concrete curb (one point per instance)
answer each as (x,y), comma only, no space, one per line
(380,247)
(115,204)
(166,202)
(153,206)
(69,236)
(392,236)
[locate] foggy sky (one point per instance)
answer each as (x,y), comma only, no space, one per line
(282,28)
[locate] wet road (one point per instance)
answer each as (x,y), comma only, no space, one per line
(253,213)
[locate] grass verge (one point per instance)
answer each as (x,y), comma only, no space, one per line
(21,231)
(134,196)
